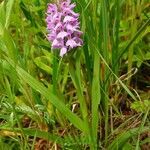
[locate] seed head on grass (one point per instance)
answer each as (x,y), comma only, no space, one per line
(63,26)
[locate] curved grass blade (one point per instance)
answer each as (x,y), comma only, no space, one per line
(9,7)
(30,132)
(121,140)
(26,77)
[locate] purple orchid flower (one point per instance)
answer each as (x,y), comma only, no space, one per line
(63,26)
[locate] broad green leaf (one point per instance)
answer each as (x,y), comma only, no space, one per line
(35,84)
(41,63)
(9,45)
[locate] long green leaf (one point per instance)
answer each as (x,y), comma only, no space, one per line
(105,31)
(2,14)
(96,96)
(26,77)
(8,12)
(32,132)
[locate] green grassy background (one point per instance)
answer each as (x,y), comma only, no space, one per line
(74,102)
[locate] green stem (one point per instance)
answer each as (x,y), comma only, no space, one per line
(95,98)
(105,29)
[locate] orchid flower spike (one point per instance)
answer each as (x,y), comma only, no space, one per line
(63,26)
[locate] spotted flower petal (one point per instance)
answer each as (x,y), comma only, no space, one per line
(71,28)
(63,51)
(70,12)
(69,18)
(62,34)
(52,8)
(71,43)
(57,44)
(78,41)
(52,36)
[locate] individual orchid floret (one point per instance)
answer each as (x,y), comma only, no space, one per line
(63,26)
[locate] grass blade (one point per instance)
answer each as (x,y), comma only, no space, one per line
(120,141)
(9,7)
(75,120)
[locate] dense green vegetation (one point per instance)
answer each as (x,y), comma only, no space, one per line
(95,97)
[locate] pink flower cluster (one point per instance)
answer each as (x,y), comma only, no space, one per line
(63,26)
